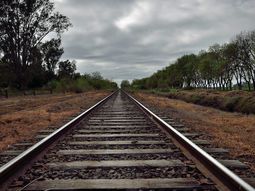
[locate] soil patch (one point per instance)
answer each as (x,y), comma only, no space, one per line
(22,117)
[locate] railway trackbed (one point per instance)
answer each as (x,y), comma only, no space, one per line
(120,144)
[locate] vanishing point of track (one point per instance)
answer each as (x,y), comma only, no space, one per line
(117,144)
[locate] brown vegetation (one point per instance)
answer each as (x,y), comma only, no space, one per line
(22,117)
(237,101)
(229,130)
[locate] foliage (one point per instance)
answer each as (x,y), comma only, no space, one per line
(233,101)
(23,26)
(5,76)
(66,69)
(125,84)
(81,84)
(27,61)
(217,68)
(51,52)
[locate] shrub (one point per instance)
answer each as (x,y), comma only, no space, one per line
(195,98)
(79,85)
(230,103)
(246,105)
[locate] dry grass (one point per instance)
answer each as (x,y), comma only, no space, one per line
(238,101)
(22,117)
(230,130)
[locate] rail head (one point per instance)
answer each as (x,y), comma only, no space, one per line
(234,182)
(6,171)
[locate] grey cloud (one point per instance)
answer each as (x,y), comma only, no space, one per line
(133,39)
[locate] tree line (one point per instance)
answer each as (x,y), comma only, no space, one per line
(227,66)
(27,59)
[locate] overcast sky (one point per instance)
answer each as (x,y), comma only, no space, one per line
(130,39)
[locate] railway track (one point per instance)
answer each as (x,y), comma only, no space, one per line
(118,144)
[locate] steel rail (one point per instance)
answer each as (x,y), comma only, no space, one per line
(226,176)
(7,170)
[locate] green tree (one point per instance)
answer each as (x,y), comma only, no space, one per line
(186,65)
(218,67)
(96,76)
(37,74)
(66,69)
(124,84)
(51,52)
(23,26)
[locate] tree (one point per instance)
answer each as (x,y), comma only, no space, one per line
(66,69)
(244,53)
(139,84)
(96,76)
(51,54)
(5,77)
(218,67)
(251,50)
(125,84)
(186,65)
(23,26)
(36,76)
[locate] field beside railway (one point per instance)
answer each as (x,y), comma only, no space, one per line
(22,117)
(234,131)
(233,101)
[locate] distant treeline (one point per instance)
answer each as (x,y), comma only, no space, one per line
(27,60)
(80,83)
(227,66)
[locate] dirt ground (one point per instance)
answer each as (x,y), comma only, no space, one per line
(22,117)
(234,131)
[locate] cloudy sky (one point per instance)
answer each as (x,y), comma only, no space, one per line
(130,39)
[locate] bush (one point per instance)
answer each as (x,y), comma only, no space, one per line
(195,98)
(246,105)
(230,103)
(80,85)
(52,85)
(212,101)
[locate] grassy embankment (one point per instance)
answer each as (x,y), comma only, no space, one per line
(233,101)
(234,131)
